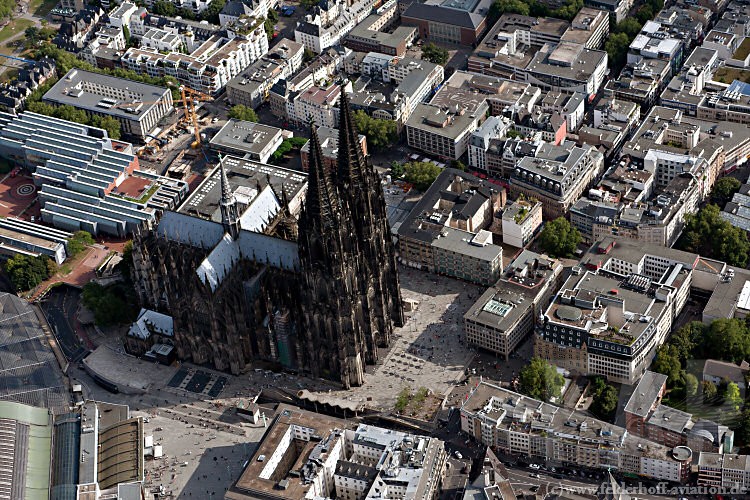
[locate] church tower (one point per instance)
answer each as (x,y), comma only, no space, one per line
(333,336)
(360,190)
(230,217)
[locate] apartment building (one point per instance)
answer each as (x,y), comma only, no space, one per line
(137,106)
(327,27)
(447,231)
(556,176)
(209,67)
(517,424)
(505,314)
(318,71)
(253,84)
(493,127)
(329,146)
(342,460)
(317,104)
(88,181)
(521,221)
(647,417)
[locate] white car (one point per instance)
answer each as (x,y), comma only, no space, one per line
(534,466)
(458,455)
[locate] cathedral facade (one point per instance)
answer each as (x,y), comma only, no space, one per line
(313,289)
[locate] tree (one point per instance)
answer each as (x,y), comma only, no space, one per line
(287,145)
(732,396)
(308,55)
(668,363)
(559,238)
(568,11)
(644,14)
(691,385)
(126,34)
(211,14)
(458,164)
(709,391)
(108,123)
(26,272)
(268,25)
(78,242)
(708,234)
(540,380)
(380,133)
(111,305)
(617,49)
(164,8)
(510,6)
(605,398)
(743,430)
(630,27)
(421,174)
(397,169)
(688,341)
(242,112)
(728,340)
(434,54)
(724,190)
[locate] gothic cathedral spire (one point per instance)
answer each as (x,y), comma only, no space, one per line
(321,204)
(230,217)
(351,161)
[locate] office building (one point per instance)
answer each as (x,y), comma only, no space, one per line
(339,459)
(88,181)
(556,176)
(724,470)
(20,237)
(504,316)
(442,131)
(253,141)
(138,107)
(455,23)
(447,231)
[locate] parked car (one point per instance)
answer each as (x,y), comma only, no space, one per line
(458,455)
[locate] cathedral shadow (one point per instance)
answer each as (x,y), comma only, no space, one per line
(218,468)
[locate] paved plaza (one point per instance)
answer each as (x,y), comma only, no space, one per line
(429,350)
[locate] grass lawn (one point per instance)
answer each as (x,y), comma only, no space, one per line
(42,7)
(726,74)
(14,27)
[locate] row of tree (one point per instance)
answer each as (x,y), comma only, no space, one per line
(68,112)
(169,9)
(708,234)
(535,8)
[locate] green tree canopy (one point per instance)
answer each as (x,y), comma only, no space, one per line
(510,6)
(421,173)
(111,305)
(667,362)
(540,380)
(724,190)
(434,54)
(708,234)
(605,398)
(78,242)
(242,112)
(617,46)
(559,238)
(732,396)
(164,8)
(709,391)
(26,272)
(380,133)
(691,385)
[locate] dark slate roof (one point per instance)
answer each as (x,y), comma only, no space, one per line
(236,9)
(445,15)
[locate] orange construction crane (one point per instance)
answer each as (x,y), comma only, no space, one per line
(189,98)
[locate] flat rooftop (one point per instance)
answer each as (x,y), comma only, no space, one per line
(243,175)
(250,481)
(78,88)
(243,136)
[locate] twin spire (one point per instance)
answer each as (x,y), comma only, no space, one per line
(322,203)
(230,216)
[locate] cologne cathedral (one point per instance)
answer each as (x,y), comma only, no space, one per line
(313,289)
